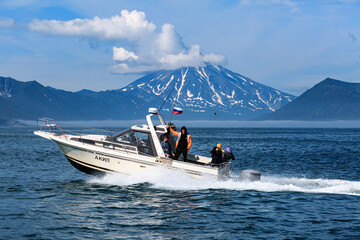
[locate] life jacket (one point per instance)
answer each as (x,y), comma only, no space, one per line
(178,134)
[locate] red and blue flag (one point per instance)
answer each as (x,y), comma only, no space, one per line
(177,110)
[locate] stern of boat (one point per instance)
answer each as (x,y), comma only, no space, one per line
(224,171)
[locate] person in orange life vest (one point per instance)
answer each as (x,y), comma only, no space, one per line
(183,142)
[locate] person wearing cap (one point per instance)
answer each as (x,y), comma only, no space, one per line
(183,142)
(228,155)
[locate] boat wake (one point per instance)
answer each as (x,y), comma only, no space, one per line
(175,180)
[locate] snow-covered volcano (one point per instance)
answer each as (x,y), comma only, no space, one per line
(209,91)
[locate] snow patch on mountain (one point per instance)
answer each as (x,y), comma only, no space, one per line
(209,89)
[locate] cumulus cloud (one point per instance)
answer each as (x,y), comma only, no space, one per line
(214,58)
(192,57)
(148,48)
(6,22)
(129,26)
(120,54)
(168,41)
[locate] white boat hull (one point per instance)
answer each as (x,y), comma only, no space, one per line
(99,161)
(129,152)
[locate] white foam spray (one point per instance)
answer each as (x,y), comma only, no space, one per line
(179,180)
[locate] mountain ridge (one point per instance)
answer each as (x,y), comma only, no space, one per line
(328,100)
(205,93)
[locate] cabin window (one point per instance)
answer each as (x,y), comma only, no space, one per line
(142,139)
(143,143)
(128,137)
(139,139)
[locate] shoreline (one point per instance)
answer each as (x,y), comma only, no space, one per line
(203,123)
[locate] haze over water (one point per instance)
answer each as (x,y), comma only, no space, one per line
(309,190)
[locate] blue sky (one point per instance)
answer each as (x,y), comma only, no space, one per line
(286,44)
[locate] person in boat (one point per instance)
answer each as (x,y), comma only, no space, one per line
(216,156)
(183,142)
(132,138)
(227,155)
(220,147)
(166,145)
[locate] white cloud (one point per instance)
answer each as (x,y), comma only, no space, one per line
(168,40)
(192,57)
(129,26)
(148,48)
(214,58)
(186,58)
(120,54)
(6,22)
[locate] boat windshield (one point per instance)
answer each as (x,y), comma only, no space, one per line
(139,139)
(128,137)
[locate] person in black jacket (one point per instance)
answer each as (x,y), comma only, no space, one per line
(228,155)
(183,142)
(216,155)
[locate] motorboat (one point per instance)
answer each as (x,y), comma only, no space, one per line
(129,152)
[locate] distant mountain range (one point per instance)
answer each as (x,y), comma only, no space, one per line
(210,92)
(328,100)
(30,100)
(205,93)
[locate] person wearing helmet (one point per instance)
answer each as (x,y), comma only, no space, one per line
(216,156)
(219,147)
(228,155)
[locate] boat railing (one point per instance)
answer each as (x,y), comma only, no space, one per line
(48,125)
(51,126)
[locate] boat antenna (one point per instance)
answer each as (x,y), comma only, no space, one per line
(172,111)
(166,99)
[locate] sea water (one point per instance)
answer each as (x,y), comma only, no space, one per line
(310,189)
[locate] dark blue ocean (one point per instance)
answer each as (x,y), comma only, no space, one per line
(310,189)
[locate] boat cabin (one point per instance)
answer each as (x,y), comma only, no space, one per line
(140,139)
(146,138)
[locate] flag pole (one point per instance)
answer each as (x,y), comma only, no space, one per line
(171,114)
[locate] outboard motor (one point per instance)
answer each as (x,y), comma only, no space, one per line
(249,175)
